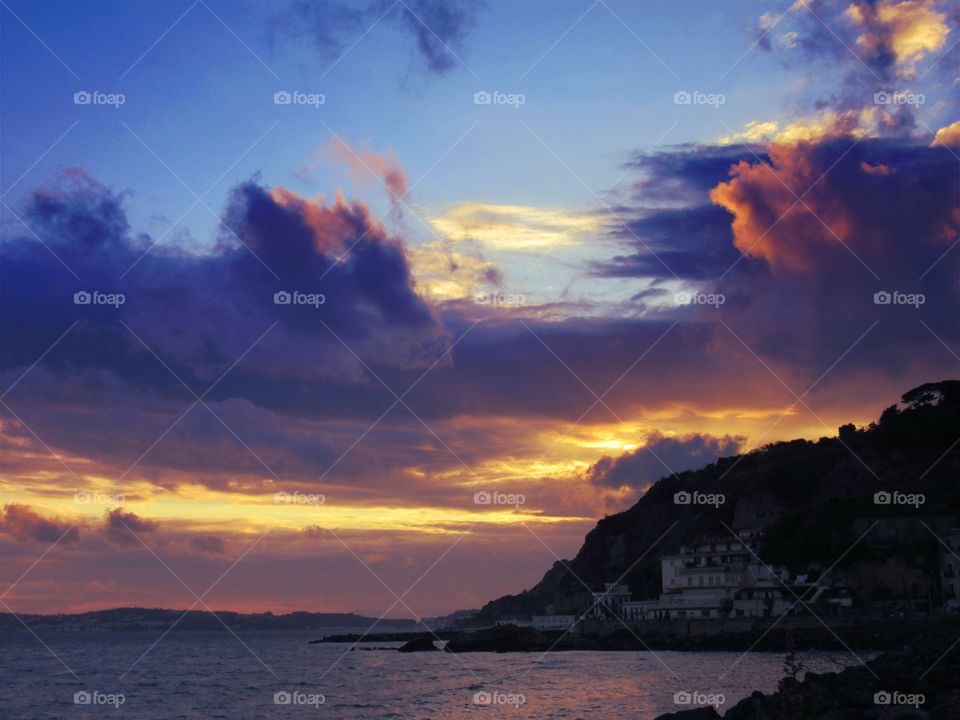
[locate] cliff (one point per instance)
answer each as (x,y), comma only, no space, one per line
(812,500)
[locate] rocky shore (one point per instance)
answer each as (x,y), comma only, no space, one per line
(861,636)
(921,682)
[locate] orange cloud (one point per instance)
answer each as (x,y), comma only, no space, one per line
(948,136)
(365,163)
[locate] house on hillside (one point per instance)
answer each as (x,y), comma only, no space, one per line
(713,578)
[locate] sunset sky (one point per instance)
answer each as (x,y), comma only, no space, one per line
(659,243)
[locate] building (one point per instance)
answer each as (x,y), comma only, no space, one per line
(713,578)
(553,622)
(950,569)
(609,601)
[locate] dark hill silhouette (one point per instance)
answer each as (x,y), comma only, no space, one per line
(813,500)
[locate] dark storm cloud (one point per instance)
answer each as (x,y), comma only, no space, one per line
(660,457)
(438,28)
(25,524)
(799,278)
(689,243)
(877,217)
(123,528)
(185,306)
(682,175)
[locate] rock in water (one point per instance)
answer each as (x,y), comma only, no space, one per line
(418,645)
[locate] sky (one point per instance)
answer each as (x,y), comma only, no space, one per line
(379,307)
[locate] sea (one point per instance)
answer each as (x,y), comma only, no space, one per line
(270,674)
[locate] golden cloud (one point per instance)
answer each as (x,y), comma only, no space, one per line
(909,30)
(513,227)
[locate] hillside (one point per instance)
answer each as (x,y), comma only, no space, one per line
(813,500)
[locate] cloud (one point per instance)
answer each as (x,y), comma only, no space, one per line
(827,125)
(688,243)
(210,544)
(438,28)
(661,456)
(898,34)
(363,163)
(847,206)
(123,528)
(27,525)
(184,304)
(513,227)
(948,136)
(449,269)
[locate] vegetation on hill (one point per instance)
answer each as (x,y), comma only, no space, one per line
(814,500)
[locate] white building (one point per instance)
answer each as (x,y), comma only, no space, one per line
(609,602)
(711,579)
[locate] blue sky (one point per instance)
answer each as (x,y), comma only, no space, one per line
(200,99)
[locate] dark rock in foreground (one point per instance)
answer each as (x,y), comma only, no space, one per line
(704,713)
(424,644)
(920,683)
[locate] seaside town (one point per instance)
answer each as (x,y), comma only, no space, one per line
(723,579)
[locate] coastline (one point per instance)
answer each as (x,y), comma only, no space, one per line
(875,635)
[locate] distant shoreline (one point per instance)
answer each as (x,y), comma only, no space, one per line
(133,619)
